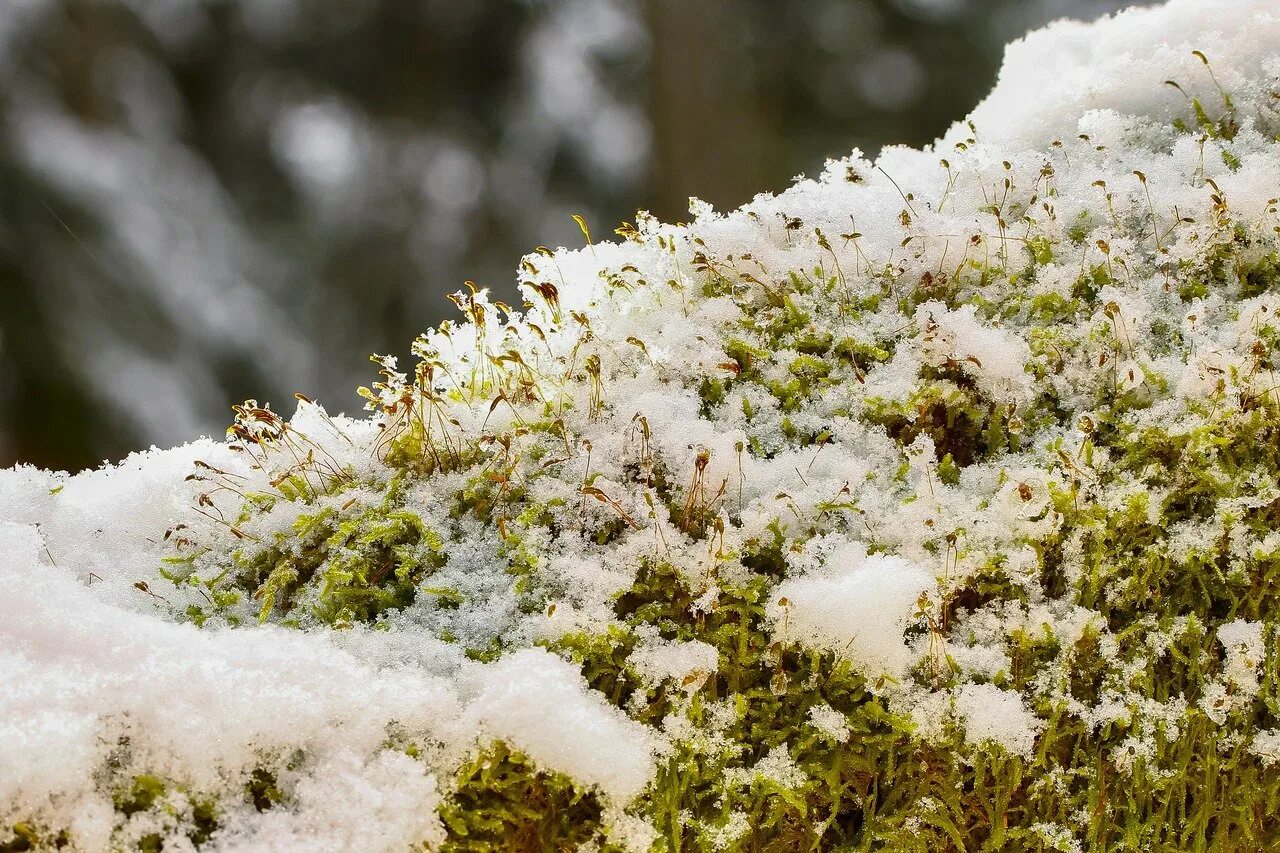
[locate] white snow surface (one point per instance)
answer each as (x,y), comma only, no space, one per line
(1053,76)
(857,607)
(998,716)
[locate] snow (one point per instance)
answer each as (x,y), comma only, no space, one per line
(995,358)
(686,663)
(1053,77)
(777,767)
(1266,745)
(1245,651)
(204,707)
(382,800)
(537,702)
(997,716)
(1073,174)
(858,607)
(830,722)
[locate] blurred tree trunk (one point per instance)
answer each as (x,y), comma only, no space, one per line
(710,132)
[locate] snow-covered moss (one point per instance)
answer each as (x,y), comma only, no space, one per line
(929,505)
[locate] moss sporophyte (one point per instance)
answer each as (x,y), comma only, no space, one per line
(928,506)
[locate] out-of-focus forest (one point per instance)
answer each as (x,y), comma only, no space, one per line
(208,200)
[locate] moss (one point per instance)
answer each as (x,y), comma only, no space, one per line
(948,470)
(263,790)
(140,795)
(889,790)
(951,412)
(1041,249)
(769,691)
(198,818)
(334,565)
(883,789)
(814,342)
(712,391)
(1159,532)
(1129,567)
(502,802)
(23,837)
(1261,276)
(861,354)
(744,355)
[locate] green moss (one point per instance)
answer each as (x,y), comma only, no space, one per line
(862,354)
(1130,568)
(23,837)
(948,470)
(334,565)
(1260,276)
(712,392)
(502,802)
(769,691)
(887,789)
(1078,231)
(1124,489)
(1041,249)
(140,795)
(882,789)
(263,790)
(949,410)
(148,793)
(744,354)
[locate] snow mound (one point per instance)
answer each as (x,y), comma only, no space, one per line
(905,442)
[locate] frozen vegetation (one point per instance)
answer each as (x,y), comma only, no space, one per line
(929,505)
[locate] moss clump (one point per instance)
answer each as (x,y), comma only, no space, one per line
(263,790)
(1065,427)
(358,567)
(23,837)
(1191,479)
(502,802)
(758,702)
(185,813)
(336,564)
(874,786)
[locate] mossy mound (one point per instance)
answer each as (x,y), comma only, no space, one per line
(928,506)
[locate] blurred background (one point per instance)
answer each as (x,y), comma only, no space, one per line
(208,200)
